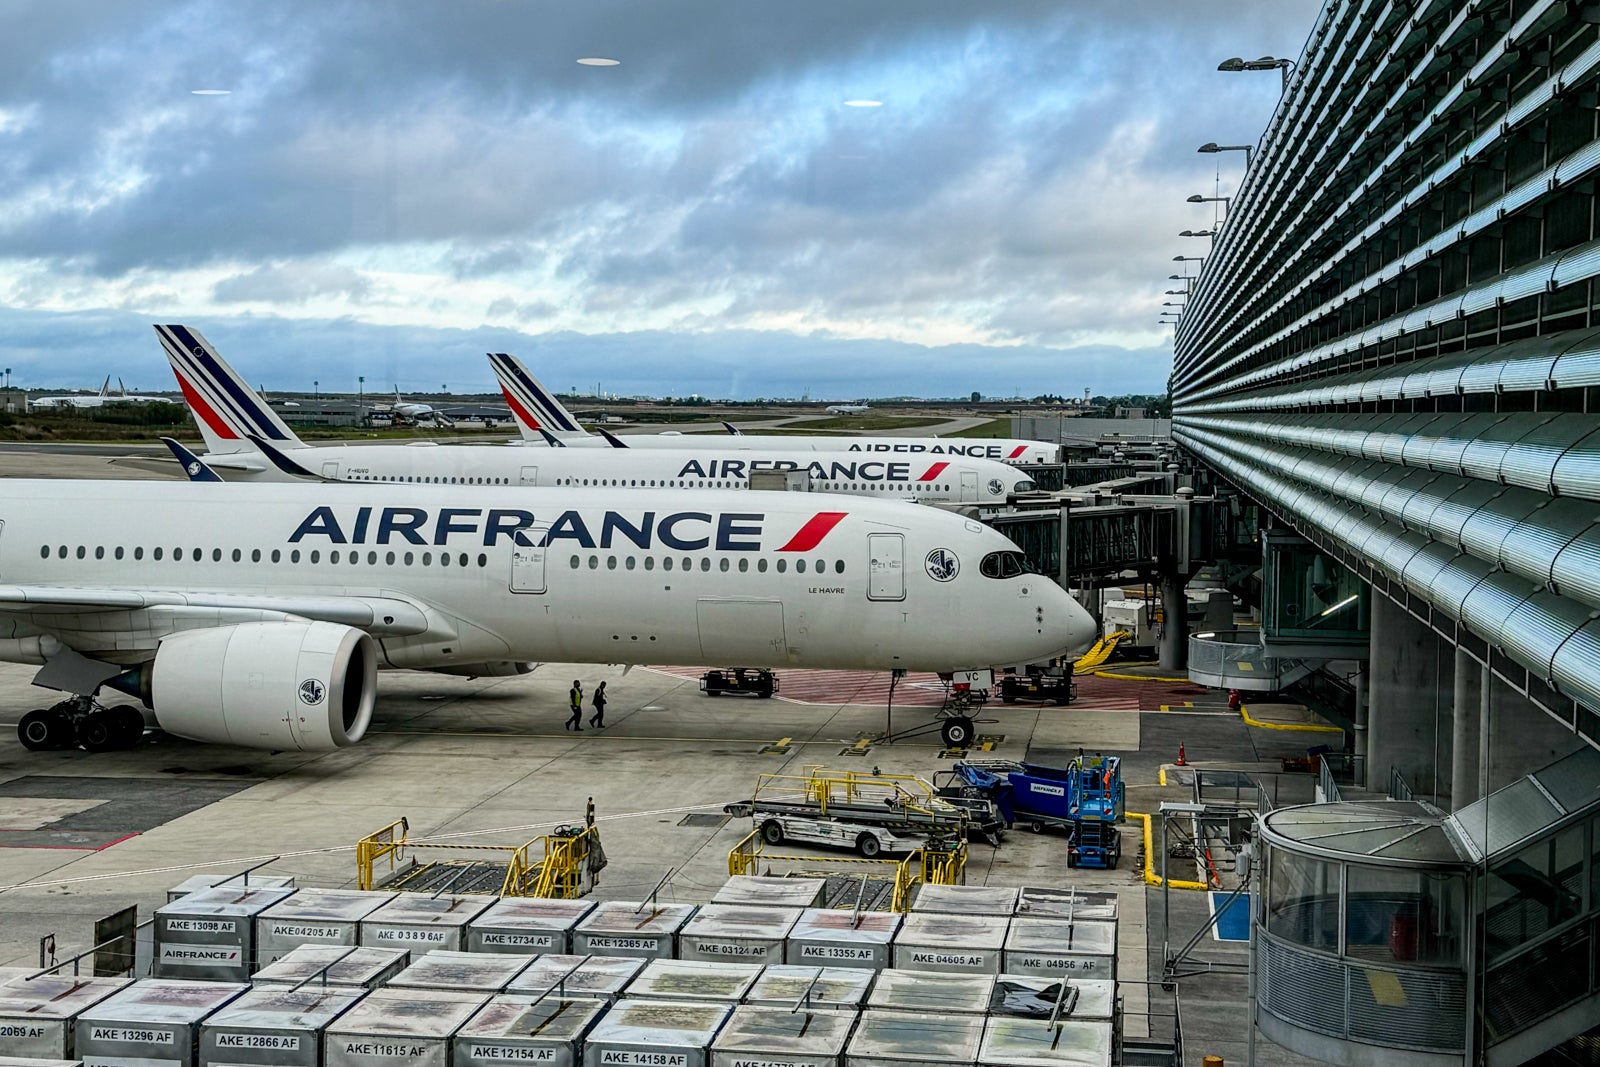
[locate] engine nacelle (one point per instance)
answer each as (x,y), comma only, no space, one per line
(274,685)
(500,668)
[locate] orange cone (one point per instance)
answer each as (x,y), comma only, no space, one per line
(1182,762)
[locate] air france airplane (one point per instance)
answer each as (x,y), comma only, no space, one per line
(535,407)
(258,615)
(245,436)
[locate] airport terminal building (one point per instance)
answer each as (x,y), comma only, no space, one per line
(1394,348)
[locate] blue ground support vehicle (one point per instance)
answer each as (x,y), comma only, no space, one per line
(1086,797)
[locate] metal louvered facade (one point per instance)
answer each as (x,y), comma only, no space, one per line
(1395,343)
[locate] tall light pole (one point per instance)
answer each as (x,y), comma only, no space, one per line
(361,396)
(1212,147)
(1286,66)
(1225,201)
(316,389)
(1188,282)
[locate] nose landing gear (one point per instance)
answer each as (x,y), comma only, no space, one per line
(81,722)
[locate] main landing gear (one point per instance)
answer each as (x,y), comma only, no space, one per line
(80,721)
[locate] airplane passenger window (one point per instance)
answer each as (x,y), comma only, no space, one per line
(408,558)
(722,565)
(576,563)
(799,566)
(372,558)
(761,565)
(99,552)
(444,559)
(138,552)
(594,562)
(61,552)
(255,555)
(611,563)
(463,560)
(783,565)
(838,566)
(156,555)
(705,563)
(744,565)
(649,563)
(427,559)
(237,555)
(629,563)
(294,555)
(118,552)
(275,555)
(333,557)
(316,557)
(81,552)
(666,563)
(688,564)
(821,566)
(483,559)
(44,551)
(177,555)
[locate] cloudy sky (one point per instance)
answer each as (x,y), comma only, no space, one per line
(390,188)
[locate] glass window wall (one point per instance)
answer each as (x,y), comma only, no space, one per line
(1405,916)
(1303,900)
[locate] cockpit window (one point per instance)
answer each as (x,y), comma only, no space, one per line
(1024,486)
(1003,565)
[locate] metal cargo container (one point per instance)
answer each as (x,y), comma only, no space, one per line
(207,881)
(618,928)
(527,924)
(1053,948)
(737,932)
(819,987)
(772,1036)
(36,1016)
(350,968)
(399,1028)
(423,923)
(1034,1043)
(602,977)
(29,1061)
(1036,996)
(753,889)
(912,1039)
(726,983)
(211,933)
(655,1033)
(825,937)
(930,991)
(936,941)
(965,899)
(1036,902)
(469,972)
(273,1027)
(151,1023)
(509,1029)
(314,917)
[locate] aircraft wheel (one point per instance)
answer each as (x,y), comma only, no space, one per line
(772,832)
(869,846)
(40,731)
(957,732)
(130,725)
(100,731)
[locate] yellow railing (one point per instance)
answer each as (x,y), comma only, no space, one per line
(388,842)
(942,867)
(905,792)
(561,873)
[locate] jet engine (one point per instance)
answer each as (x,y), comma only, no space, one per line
(273,685)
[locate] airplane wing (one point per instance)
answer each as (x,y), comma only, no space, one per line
(378,615)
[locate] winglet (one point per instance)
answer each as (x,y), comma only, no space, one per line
(731,428)
(550,439)
(611,439)
(284,463)
(192,465)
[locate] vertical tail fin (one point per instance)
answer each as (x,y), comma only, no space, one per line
(226,409)
(534,406)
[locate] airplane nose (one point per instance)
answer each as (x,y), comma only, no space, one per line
(1063,620)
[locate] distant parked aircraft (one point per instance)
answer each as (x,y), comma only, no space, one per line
(845,409)
(99,400)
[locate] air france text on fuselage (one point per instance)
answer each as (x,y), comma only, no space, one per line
(951,449)
(835,471)
(680,531)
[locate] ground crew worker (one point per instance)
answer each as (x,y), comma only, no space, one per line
(598,719)
(575,700)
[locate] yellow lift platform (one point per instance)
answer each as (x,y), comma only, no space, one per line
(561,865)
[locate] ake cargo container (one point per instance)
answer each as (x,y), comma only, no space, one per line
(314,917)
(1055,947)
(467,972)
(912,1039)
(655,1033)
(527,924)
(510,1029)
(37,1015)
(349,968)
(423,923)
(620,928)
(211,933)
(726,983)
(837,938)
(932,992)
(935,941)
(811,987)
(754,889)
(273,1027)
(601,977)
(737,932)
(965,899)
(1031,1043)
(153,1021)
(399,1028)
(772,1036)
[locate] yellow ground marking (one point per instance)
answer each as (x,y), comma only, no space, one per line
(1150,875)
(1309,728)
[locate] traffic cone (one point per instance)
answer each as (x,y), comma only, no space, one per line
(1182,762)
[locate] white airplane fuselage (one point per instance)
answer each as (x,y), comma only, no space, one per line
(932,479)
(1001,450)
(456,575)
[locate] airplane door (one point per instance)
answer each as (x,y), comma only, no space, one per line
(528,553)
(969,485)
(530,475)
(744,632)
(330,468)
(886,574)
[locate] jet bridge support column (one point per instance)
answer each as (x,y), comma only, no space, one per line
(1174,621)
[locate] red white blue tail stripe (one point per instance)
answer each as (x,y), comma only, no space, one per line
(533,405)
(227,410)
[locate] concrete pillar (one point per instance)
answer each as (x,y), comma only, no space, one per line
(1406,702)
(1358,740)
(1174,650)
(1521,736)
(1466,718)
